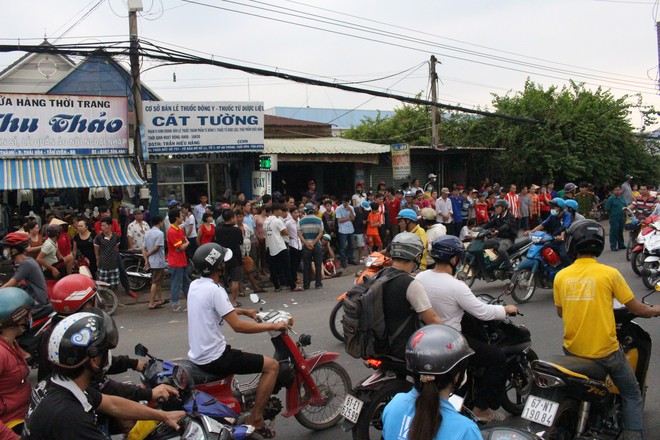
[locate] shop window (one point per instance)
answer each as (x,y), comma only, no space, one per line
(183,182)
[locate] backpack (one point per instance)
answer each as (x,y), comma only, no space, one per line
(363,322)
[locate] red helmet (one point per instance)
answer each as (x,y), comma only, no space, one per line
(16,240)
(551,257)
(71,292)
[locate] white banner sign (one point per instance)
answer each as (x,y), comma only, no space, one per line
(59,125)
(400,161)
(261,183)
(184,127)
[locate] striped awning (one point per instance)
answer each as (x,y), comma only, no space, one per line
(86,172)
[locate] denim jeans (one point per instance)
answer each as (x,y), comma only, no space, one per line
(179,281)
(345,248)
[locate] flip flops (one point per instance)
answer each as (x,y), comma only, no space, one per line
(265,432)
(157,306)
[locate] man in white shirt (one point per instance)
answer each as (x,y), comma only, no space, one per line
(136,231)
(278,252)
(359,195)
(190,227)
(444,210)
(199,210)
(209,308)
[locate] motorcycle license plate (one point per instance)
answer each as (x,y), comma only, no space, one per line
(351,408)
(540,410)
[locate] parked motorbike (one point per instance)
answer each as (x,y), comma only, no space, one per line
(376,262)
(315,384)
(637,256)
(538,268)
(363,407)
(484,263)
(139,278)
(633,225)
(650,255)
(574,397)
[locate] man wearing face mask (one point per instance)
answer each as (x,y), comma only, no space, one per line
(79,349)
(450,299)
(556,224)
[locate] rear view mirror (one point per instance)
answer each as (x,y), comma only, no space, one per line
(141,350)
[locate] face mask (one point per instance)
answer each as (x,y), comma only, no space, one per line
(6,254)
(554,212)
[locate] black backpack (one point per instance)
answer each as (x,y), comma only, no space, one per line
(365,335)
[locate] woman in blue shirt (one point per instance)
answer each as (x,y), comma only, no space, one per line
(436,355)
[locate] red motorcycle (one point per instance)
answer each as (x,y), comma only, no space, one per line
(374,263)
(637,256)
(316,386)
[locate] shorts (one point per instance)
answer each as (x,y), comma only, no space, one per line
(248,265)
(157,276)
(234,362)
(60,266)
(374,240)
(110,276)
(359,240)
(233,274)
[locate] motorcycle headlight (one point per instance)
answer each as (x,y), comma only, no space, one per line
(194,431)
(536,239)
(370,261)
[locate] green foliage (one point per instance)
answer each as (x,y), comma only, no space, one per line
(411,124)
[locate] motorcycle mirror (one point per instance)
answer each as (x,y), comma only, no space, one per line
(141,350)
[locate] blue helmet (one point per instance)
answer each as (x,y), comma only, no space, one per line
(558,202)
(447,247)
(366,205)
(408,214)
(571,204)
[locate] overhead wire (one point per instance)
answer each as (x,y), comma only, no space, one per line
(81,19)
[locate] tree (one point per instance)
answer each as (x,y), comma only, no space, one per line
(411,124)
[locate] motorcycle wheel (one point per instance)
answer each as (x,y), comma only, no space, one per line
(336,326)
(467,274)
(107,300)
(334,383)
(523,285)
(650,281)
(630,246)
(637,262)
(565,425)
(137,283)
(518,384)
(370,423)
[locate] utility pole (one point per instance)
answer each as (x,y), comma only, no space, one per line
(657,33)
(435,111)
(135,6)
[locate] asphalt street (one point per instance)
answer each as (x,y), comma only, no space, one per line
(165,334)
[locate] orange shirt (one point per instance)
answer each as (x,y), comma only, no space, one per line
(374,217)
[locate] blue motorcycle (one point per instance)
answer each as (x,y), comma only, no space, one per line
(538,268)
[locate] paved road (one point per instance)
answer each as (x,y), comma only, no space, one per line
(165,334)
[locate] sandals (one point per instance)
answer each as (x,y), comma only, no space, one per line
(297,289)
(265,432)
(157,306)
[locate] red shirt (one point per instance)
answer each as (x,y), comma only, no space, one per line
(176,237)
(14,386)
(64,244)
(543,200)
(206,235)
(514,203)
(115,227)
(393,209)
(481,211)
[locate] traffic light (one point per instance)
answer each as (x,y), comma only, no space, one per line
(264,162)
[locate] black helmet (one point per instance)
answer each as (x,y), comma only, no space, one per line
(81,336)
(436,349)
(585,236)
(209,256)
(447,247)
(569,187)
(501,202)
(406,246)
(15,304)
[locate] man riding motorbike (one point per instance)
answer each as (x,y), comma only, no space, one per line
(505,230)
(209,308)
(451,298)
(409,222)
(556,224)
(584,294)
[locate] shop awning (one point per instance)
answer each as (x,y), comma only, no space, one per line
(85,172)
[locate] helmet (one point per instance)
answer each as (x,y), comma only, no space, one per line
(16,240)
(209,256)
(428,214)
(408,214)
(327,237)
(585,236)
(408,194)
(569,187)
(571,204)
(406,246)
(309,208)
(557,202)
(15,304)
(628,177)
(447,247)
(71,292)
(436,349)
(81,336)
(366,205)
(501,202)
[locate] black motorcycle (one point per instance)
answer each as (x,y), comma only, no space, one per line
(363,408)
(482,262)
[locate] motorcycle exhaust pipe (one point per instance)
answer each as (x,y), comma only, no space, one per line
(139,275)
(648,272)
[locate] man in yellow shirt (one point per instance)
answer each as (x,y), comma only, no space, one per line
(584,296)
(408,222)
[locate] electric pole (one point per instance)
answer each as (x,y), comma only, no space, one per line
(435,111)
(135,6)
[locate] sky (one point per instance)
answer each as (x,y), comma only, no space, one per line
(484,46)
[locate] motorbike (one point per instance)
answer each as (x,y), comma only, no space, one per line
(633,224)
(538,268)
(507,433)
(375,262)
(650,255)
(363,407)
(315,384)
(483,263)
(637,256)
(139,278)
(574,397)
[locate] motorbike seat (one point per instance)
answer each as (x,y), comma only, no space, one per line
(520,242)
(198,375)
(394,364)
(571,365)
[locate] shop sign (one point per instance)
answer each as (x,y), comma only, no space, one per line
(400,161)
(62,125)
(187,127)
(261,183)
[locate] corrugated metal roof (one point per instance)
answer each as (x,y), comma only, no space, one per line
(331,145)
(340,118)
(272,120)
(467,148)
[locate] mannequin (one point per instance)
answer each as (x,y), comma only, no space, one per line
(99,196)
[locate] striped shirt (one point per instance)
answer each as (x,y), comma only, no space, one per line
(514,204)
(310,226)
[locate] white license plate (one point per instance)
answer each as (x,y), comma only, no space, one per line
(351,408)
(540,410)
